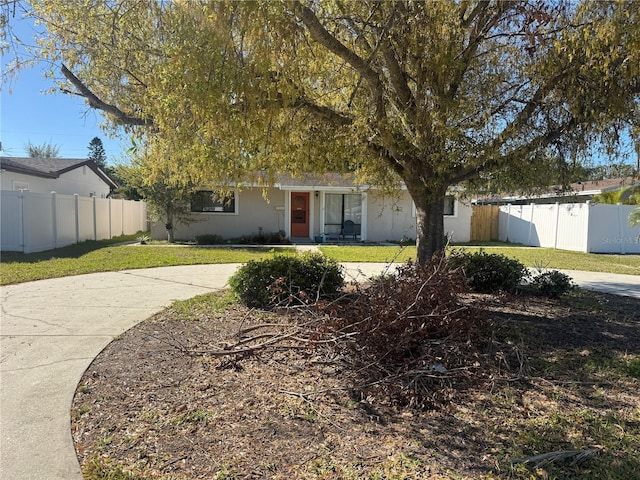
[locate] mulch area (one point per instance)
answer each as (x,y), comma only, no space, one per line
(161,402)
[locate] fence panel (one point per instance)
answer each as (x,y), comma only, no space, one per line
(609,230)
(65,223)
(85,219)
(38,222)
(543,224)
(514,224)
(103,222)
(117,227)
(573,224)
(11,214)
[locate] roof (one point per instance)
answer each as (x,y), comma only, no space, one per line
(51,167)
(599,186)
(572,192)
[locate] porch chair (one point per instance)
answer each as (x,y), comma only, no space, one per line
(348,229)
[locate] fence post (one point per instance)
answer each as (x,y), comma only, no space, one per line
(54,222)
(555,233)
(95,219)
(532,205)
(587,246)
(508,222)
(110,219)
(23,219)
(77,204)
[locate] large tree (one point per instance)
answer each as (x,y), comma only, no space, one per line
(432,93)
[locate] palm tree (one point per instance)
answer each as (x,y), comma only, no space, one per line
(634,217)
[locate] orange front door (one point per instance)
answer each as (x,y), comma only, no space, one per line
(300,214)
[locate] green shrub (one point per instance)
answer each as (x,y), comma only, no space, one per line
(209,239)
(489,273)
(264,238)
(552,284)
(286,279)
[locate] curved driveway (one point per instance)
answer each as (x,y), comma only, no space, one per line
(51,330)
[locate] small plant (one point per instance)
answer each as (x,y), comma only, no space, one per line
(144,239)
(552,284)
(262,238)
(209,239)
(285,279)
(489,273)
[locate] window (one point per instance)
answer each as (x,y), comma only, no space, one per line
(340,208)
(19,185)
(213,201)
(449,206)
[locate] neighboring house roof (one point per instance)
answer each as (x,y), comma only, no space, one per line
(581,190)
(51,167)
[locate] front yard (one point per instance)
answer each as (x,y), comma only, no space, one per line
(557,396)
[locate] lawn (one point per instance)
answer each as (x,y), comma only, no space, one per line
(110,255)
(529,256)
(104,256)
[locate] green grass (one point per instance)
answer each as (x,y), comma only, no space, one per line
(104,256)
(531,257)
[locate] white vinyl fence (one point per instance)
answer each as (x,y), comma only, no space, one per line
(34,222)
(582,227)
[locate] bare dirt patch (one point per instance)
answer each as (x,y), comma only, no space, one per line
(559,375)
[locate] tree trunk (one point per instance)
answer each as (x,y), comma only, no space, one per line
(429,222)
(169,227)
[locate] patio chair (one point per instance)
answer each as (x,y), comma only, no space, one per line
(349,229)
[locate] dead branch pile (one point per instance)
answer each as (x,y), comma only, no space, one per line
(406,339)
(410,338)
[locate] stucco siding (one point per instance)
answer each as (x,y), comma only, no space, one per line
(390,218)
(82,181)
(458,226)
(252,213)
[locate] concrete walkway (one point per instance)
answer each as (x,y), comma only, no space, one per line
(51,330)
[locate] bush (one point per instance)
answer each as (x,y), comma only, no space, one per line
(552,284)
(209,239)
(489,273)
(286,279)
(264,238)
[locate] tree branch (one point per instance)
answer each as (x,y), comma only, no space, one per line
(96,102)
(324,38)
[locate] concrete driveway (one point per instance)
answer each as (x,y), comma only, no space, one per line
(51,330)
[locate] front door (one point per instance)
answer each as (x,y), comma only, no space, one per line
(300,214)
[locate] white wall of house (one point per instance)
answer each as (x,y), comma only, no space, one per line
(81,180)
(390,218)
(252,212)
(383,218)
(458,225)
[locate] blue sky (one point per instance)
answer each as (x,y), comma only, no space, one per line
(29,115)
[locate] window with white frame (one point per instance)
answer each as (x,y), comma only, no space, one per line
(17,186)
(340,207)
(213,201)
